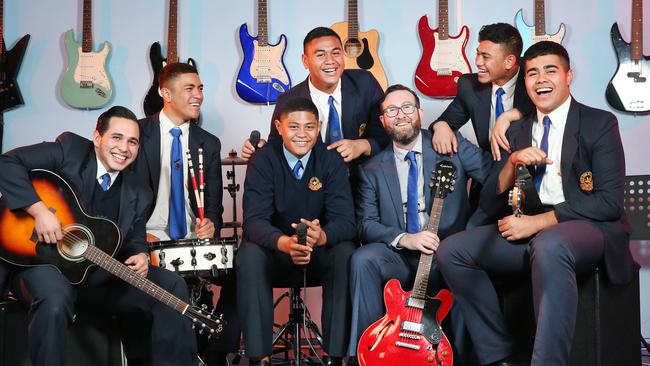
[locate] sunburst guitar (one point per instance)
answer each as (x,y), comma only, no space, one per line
(87,241)
(533,34)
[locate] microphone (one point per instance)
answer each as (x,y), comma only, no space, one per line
(254,138)
(301,232)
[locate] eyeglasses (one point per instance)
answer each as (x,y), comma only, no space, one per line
(394,111)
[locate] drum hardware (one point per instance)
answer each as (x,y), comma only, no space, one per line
(194,258)
(233,188)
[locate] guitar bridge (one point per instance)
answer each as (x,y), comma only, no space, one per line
(414,347)
(86,84)
(409,336)
(444,71)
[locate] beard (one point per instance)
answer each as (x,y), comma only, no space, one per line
(405,137)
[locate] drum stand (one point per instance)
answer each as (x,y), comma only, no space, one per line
(232,189)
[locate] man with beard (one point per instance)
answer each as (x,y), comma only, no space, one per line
(391,226)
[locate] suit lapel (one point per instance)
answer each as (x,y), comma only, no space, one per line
(348,98)
(389,169)
(151,131)
(127,202)
(570,140)
(89,177)
(484,108)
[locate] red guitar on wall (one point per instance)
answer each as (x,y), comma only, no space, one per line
(443,57)
(410,332)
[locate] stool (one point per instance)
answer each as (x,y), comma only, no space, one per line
(608,321)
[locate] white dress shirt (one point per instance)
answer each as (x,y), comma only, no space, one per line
(508,99)
(101,170)
(321,100)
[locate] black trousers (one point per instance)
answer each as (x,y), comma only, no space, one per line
(554,257)
(260,269)
(52,301)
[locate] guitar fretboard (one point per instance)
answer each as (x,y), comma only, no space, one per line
(424,267)
(443,19)
(353,20)
(540,22)
(172,52)
(87,32)
(262,25)
(637,30)
(115,267)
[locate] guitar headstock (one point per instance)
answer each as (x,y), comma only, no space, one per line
(443,179)
(205,321)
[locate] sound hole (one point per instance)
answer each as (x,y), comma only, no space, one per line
(75,242)
(353,47)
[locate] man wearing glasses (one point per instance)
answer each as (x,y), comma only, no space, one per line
(391,226)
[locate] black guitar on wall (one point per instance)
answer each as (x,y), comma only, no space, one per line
(153,102)
(10,61)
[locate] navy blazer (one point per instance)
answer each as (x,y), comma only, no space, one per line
(73,158)
(474,101)
(360,93)
(591,143)
(274,199)
(379,205)
(148,166)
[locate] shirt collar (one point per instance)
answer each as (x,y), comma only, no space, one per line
(558,116)
(292,159)
(400,154)
(508,87)
(166,124)
(317,93)
(101,170)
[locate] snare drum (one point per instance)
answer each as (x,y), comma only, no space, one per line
(194,257)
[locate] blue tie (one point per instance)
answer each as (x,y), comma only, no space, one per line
(412,222)
(177,228)
(541,168)
(296,170)
(333,123)
(498,108)
(106,182)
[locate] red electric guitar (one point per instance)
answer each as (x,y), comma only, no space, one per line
(410,332)
(443,57)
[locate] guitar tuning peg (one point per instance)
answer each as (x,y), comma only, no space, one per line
(200,331)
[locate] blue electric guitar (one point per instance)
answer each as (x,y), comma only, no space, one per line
(629,89)
(86,83)
(533,34)
(262,76)
(153,102)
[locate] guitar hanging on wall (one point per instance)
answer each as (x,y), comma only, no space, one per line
(86,83)
(360,47)
(10,61)
(443,57)
(533,34)
(262,76)
(410,332)
(629,89)
(153,102)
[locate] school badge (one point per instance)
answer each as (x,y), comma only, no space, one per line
(315,184)
(587,181)
(362,129)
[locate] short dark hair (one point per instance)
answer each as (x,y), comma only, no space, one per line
(503,34)
(104,119)
(298,105)
(394,88)
(544,48)
(172,70)
(319,32)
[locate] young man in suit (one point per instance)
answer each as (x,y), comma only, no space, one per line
(98,172)
(497,87)
(579,173)
(174,214)
(392,227)
(293,180)
(346,99)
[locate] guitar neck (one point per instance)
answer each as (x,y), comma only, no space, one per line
(443,19)
(540,22)
(172,30)
(2,46)
(262,25)
(353,19)
(424,267)
(115,267)
(87,32)
(637,30)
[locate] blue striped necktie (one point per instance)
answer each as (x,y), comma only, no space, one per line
(177,224)
(498,108)
(541,168)
(333,123)
(296,170)
(412,222)
(106,182)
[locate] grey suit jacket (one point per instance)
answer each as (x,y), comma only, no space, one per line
(379,204)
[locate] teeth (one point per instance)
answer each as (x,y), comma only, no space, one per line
(119,157)
(329,70)
(543,90)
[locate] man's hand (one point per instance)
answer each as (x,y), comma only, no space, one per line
(300,254)
(424,241)
(139,263)
(204,228)
(444,139)
(498,137)
(351,149)
(516,228)
(315,234)
(530,156)
(47,225)
(247,150)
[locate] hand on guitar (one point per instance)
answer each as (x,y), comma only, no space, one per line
(351,149)
(139,263)
(498,137)
(516,228)
(300,253)
(444,139)
(424,241)
(204,228)
(315,234)
(247,150)
(46,224)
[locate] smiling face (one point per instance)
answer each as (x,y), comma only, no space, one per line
(403,128)
(494,63)
(183,96)
(299,131)
(118,147)
(324,59)
(547,82)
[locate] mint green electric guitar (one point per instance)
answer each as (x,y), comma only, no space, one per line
(86,84)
